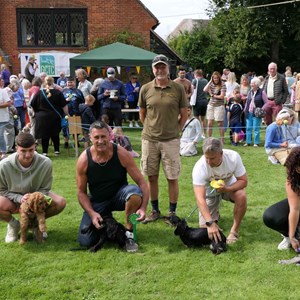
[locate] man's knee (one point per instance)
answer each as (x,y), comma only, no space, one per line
(135,200)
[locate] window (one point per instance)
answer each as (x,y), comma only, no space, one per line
(52,27)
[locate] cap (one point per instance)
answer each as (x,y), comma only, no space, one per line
(160,59)
(111,72)
(31,58)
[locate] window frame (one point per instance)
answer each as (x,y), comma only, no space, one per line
(52,12)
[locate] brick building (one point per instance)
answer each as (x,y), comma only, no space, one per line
(33,26)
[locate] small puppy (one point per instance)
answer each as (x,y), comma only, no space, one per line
(196,237)
(32,215)
(112,231)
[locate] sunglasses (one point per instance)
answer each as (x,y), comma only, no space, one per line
(161,58)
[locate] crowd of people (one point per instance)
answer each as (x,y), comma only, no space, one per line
(176,115)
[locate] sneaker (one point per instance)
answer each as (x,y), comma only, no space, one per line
(56,153)
(130,125)
(12,232)
(273,160)
(203,136)
(255,145)
(154,215)
(285,244)
(246,145)
(130,244)
(234,144)
(136,125)
(45,154)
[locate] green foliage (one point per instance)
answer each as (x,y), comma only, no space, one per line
(163,268)
(243,38)
(124,36)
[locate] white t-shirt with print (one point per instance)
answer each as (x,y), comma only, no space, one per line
(230,168)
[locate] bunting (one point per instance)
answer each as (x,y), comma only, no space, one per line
(88,70)
(138,69)
(119,70)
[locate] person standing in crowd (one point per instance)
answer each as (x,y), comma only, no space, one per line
(225,73)
(215,108)
(112,95)
(256,98)
(19,103)
(185,83)
(5,103)
(277,91)
(74,98)
(5,74)
(219,164)
(102,170)
(283,216)
(163,111)
(84,85)
(31,68)
(132,89)
(62,80)
(190,74)
(49,107)
(22,173)
(191,135)
(97,106)
(199,109)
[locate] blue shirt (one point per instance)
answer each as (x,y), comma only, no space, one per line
(19,97)
(107,102)
(274,136)
(76,99)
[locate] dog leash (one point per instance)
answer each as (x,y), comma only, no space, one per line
(191,213)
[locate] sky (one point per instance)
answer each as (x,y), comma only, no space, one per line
(171,12)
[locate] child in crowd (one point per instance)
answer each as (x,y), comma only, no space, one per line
(123,141)
(87,117)
(105,119)
(234,118)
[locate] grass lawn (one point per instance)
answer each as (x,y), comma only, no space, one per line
(163,268)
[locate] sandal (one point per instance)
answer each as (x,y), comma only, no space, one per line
(232,237)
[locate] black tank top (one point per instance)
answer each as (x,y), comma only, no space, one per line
(105,181)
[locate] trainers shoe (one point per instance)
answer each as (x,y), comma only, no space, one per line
(154,215)
(56,153)
(273,160)
(255,145)
(130,244)
(285,243)
(12,232)
(136,125)
(130,125)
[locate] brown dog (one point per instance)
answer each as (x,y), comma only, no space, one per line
(32,215)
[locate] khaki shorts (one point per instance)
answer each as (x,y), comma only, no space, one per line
(215,113)
(166,152)
(213,206)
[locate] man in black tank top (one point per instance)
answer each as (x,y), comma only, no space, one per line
(102,169)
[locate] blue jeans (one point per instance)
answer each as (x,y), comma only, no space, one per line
(2,139)
(253,123)
(21,114)
(87,236)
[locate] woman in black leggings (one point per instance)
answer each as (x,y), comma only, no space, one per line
(284,215)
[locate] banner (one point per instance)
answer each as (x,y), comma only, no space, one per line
(51,62)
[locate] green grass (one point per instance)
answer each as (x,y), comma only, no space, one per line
(163,268)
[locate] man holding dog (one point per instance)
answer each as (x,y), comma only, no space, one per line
(225,165)
(22,173)
(102,169)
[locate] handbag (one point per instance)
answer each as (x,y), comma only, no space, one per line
(194,95)
(63,121)
(259,112)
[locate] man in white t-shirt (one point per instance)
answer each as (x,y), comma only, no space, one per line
(5,102)
(226,165)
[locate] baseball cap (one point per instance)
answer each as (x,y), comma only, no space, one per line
(31,58)
(110,72)
(160,59)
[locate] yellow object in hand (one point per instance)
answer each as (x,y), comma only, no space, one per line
(217,183)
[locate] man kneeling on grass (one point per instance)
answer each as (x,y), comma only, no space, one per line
(227,167)
(22,173)
(103,169)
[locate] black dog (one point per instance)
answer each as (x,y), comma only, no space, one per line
(112,231)
(196,237)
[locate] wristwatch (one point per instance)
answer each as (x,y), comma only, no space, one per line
(209,223)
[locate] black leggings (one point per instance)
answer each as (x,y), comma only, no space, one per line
(276,217)
(45,143)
